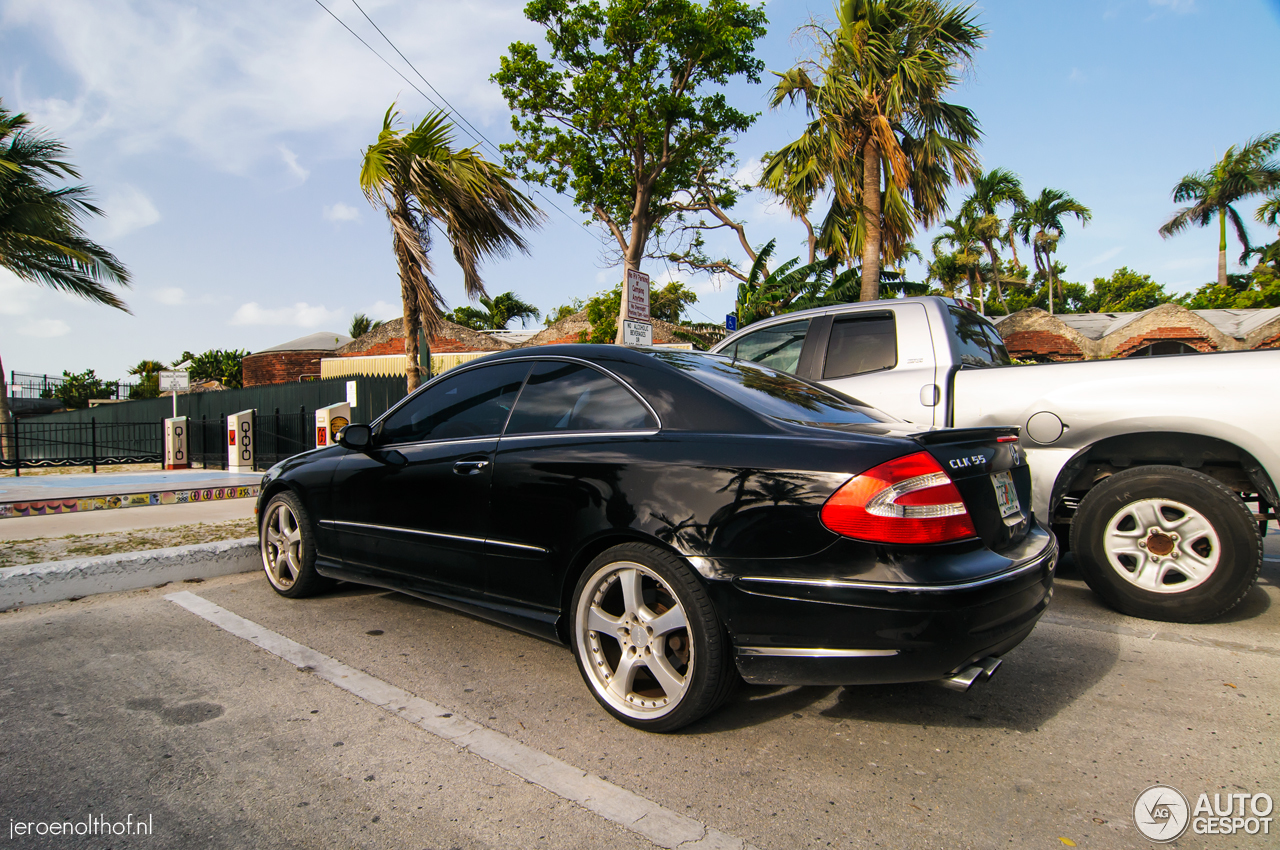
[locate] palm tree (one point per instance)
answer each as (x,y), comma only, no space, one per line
(498,312)
(1238,175)
(875,103)
(421,181)
(360,325)
(41,238)
(1044,216)
(991,191)
(966,250)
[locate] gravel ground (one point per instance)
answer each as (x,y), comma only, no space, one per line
(38,551)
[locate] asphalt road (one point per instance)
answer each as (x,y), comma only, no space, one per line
(130,704)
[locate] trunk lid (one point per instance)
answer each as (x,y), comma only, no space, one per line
(989,468)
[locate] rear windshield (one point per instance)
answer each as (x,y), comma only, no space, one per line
(773,393)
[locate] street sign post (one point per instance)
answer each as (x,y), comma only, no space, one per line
(730,322)
(177,382)
(634,324)
(637,333)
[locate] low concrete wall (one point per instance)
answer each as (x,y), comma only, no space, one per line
(58,580)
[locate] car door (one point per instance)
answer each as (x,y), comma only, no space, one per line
(560,476)
(414,509)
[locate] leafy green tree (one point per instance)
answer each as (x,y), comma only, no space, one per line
(564,311)
(418,178)
(148,374)
(628,108)
(1241,173)
(225,367)
(602,312)
(496,314)
(78,388)
(992,190)
(668,303)
(42,239)
(1040,224)
(875,102)
(1125,291)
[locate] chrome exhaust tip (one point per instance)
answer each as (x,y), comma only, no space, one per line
(983,669)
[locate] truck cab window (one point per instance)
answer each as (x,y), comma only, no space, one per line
(861,344)
(976,340)
(777,347)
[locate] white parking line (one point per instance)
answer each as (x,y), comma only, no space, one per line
(642,816)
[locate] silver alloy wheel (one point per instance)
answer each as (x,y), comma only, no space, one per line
(1161,545)
(282,546)
(633,640)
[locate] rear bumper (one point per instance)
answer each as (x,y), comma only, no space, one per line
(815,632)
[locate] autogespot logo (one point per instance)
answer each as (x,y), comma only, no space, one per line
(1161,813)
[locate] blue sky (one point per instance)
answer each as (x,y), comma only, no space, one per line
(224,138)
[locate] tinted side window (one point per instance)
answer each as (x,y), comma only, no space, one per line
(777,347)
(570,397)
(970,333)
(474,403)
(861,344)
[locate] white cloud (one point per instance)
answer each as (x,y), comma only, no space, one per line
(291,162)
(340,212)
(170,296)
(301,314)
(750,174)
(382,311)
(17,296)
(127,209)
(44,328)
(231,80)
(1185,263)
(1104,256)
(1180,7)
(1076,76)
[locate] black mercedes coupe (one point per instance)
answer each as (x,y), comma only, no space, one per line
(681,520)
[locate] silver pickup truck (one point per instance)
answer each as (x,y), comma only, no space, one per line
(1163,469)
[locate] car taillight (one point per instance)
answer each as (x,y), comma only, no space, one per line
(908,500)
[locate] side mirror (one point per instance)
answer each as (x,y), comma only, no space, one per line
(356,437)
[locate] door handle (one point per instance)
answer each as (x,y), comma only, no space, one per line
(469,467)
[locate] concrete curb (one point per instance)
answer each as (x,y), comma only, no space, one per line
(55,581)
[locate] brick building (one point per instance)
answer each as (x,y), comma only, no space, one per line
(292,360)
(1167,329)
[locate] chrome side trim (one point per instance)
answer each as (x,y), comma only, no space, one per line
(892,587)
(814,652)
(542,435)
(436,534)
(525,546)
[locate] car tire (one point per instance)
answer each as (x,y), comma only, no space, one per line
(1167,543)
(288,548)
(648,641)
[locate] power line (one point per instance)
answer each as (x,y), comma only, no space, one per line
(469,128)
(452,109)
(387,63)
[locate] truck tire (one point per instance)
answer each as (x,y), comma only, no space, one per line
(1166,543)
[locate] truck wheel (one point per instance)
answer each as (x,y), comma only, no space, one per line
(1166,543)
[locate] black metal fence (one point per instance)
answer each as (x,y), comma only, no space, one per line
(281,435)
(207,442)
(34,443)
(28,385)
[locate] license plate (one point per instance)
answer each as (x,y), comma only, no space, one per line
(1006,495)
